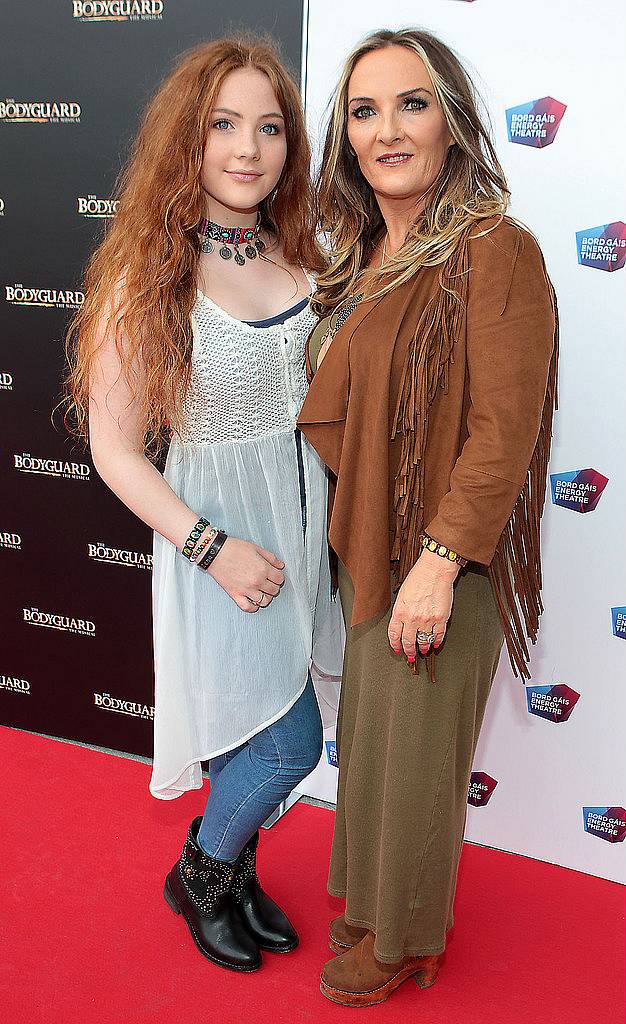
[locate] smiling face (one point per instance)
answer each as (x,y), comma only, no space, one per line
(395,124)
(246,147)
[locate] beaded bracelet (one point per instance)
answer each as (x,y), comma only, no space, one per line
(192,539)
(442,550)
(210,537)
(213,551)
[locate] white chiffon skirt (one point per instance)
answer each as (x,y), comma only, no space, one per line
(222,674)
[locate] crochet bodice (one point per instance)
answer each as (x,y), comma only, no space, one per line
(246,382)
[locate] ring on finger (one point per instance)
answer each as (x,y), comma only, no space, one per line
(425,638)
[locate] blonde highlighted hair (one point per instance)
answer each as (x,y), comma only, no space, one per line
(470,186)
(142,276)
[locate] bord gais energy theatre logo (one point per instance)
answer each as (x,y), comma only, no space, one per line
(604,247)
(579,490)
(618,621)
(555,703)
(606,823)
(480,789)
(535,123)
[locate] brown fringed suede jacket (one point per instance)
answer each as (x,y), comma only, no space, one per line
(436,415)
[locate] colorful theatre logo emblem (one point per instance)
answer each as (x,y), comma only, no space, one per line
(604,247)
(618,618)
(579,490)
(480,789)
(606,823)
(555,703)
(535,123)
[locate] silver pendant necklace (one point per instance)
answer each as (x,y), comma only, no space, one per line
(231,239)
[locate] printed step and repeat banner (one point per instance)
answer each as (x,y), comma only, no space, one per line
(76,639)
(549,774)
(76,656)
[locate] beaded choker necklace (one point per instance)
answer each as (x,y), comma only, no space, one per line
(211,232)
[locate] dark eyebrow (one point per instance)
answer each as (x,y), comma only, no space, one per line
(233,113)
(409,92)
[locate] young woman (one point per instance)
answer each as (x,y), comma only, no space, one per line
(195,320)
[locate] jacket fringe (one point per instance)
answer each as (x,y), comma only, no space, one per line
(515,570)
(425,369)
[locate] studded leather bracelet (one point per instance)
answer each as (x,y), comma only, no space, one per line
(440,549)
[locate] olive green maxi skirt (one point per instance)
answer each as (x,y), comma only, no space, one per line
(406,747)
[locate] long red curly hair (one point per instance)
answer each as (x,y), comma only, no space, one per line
(143,273)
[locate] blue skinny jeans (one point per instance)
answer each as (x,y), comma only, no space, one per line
(250,781)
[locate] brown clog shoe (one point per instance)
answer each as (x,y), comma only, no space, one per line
(357,978)
(343,936)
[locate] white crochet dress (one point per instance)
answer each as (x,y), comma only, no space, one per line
(222,674)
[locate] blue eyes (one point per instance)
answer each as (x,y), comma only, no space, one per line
(224,124)
(413,104)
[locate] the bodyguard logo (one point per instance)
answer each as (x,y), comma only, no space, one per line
(119,556)
(11,540)
(54,620)
(27,463)
(117,10)
(602,247)
(555,703)
(579,490)
(11,684)
(480,789)
(605,823)
(6,381)
(123,707)
(93,206)
(40,111)
(618,618)
(58,298)
(535,123)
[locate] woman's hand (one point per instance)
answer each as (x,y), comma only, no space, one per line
(423,604)
(249,574)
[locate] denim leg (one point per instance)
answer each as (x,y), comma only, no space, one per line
(217,763)
(259,776)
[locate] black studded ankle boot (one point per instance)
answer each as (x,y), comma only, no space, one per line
(200,888)
(265,921)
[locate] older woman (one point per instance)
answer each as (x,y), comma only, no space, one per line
(432,405)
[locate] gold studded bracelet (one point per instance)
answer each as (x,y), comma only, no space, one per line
(440,549)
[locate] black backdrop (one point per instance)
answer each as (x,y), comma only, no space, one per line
(75,627)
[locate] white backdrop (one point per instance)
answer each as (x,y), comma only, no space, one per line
(547,772)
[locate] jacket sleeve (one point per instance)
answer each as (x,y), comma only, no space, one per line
(510,338)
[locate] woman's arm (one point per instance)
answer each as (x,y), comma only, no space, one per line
(510,337)
(250,575)
(116,434)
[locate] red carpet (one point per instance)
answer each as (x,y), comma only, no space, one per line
(87,937)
